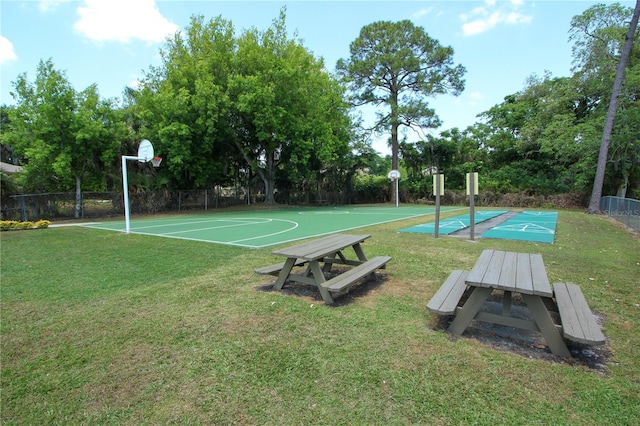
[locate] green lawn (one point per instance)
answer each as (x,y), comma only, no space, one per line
(106,328)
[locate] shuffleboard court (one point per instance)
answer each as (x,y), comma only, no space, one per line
(454,224)
(263,228)
(535,226)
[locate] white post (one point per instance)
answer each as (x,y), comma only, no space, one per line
(125,191)
(395,175)
(397,193)
(125,188)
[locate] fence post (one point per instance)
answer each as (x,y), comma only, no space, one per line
(23,206)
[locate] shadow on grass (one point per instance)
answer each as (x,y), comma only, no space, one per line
(529,344)
(311,293)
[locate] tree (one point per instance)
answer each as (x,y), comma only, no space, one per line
(597,40)
(287,109)
(397,65)
(184,106)
(63,136)
(542,137)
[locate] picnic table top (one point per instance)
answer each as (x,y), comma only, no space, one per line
(322,247)
(510,271)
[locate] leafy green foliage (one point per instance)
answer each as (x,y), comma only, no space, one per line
(183,105)
(65,137)
(290,118)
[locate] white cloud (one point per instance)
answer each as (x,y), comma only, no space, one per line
(484,18)
(123,21)
(48,5)
(422,12)
(7,54)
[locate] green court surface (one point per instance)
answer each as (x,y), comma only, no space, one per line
(455,223)
(263,228)
(535,226)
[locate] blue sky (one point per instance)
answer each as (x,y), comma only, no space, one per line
(110,42)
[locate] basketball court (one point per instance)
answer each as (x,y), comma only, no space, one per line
(257,229)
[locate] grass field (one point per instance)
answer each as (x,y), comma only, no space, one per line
(106,328)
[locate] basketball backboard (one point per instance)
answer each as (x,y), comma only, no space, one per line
(145,151)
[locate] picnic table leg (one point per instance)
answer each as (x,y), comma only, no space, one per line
(327,266)
(467,313)
(359,252)
(546,325)
(284,273)
(318,275)
(506,304)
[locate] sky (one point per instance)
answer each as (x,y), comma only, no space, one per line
(111,43)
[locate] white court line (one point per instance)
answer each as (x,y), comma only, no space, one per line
(188,239)
(233,242)
(525,227)
(235,225)
(296,224)
(237,222)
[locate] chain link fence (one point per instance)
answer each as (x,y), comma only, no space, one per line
(62,206)
(625,210)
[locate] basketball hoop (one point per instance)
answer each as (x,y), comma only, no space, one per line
(155,161)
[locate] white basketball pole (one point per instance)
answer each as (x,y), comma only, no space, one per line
(125,188)
(145,154)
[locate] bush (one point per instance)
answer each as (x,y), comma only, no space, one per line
(8,225)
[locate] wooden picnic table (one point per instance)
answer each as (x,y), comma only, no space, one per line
(319,256)
(522,273)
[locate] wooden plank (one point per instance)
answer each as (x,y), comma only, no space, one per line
(277,267)
(480,268)
(509,272)
(523,281)
(568,315)
(507,321)
(578,322)
(446,299)
(494,270)
(541,285)
(333,247)
(590,327)
(349,277)
(320,248)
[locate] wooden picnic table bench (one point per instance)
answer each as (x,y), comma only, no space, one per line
(447,298)
(522,273)
(577,320)
(525,274)
(319,256)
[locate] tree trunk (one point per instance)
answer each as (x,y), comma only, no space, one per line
(78,197)
(394,141)
(268,179)
(267,174)
(622,189)
(596,193)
